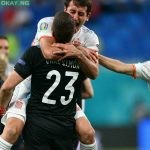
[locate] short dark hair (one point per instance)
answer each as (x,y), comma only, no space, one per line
(63,27)
(3,37)
(83,3)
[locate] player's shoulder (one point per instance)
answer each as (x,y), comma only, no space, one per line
(45,23)
(46,19)
(33,49)
(34,53)
(87,31)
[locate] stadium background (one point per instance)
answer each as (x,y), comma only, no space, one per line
(120,108)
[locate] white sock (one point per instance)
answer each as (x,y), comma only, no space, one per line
(4,145)
(88,146)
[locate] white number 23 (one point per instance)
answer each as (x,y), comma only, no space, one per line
(68,87)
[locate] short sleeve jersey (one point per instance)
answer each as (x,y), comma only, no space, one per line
(143,70)
(55,87)
(85,37)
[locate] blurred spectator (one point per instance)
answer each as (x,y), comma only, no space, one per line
(22,17)
(8,16)
(14,44)
(4,52)
(5,70)
(95,10)
(15,17)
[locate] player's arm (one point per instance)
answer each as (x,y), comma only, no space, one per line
(45,38)
(21,71)
(116,65)
(48,49)
(22,90)
(89,67)
(90,53)
(7,88)
(87,89)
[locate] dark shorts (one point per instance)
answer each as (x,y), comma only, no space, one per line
(36,138)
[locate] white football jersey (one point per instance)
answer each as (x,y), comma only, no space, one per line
(85,37)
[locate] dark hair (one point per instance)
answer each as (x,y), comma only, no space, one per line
(83,3)
(2,37)
(63,27)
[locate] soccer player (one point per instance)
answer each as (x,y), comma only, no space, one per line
(137,70)
(4,48)
(56,74)
(4,53)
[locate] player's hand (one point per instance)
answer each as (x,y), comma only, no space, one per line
(89,53)
(66,47)
(68,54)
(93,55)
(56,53)
(67,51)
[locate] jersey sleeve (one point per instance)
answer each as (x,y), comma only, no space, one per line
(43,30)
(44,27)
(143,70)
(22,90)
(92,41)
(24,65)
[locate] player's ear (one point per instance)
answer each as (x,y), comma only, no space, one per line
(88,16)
